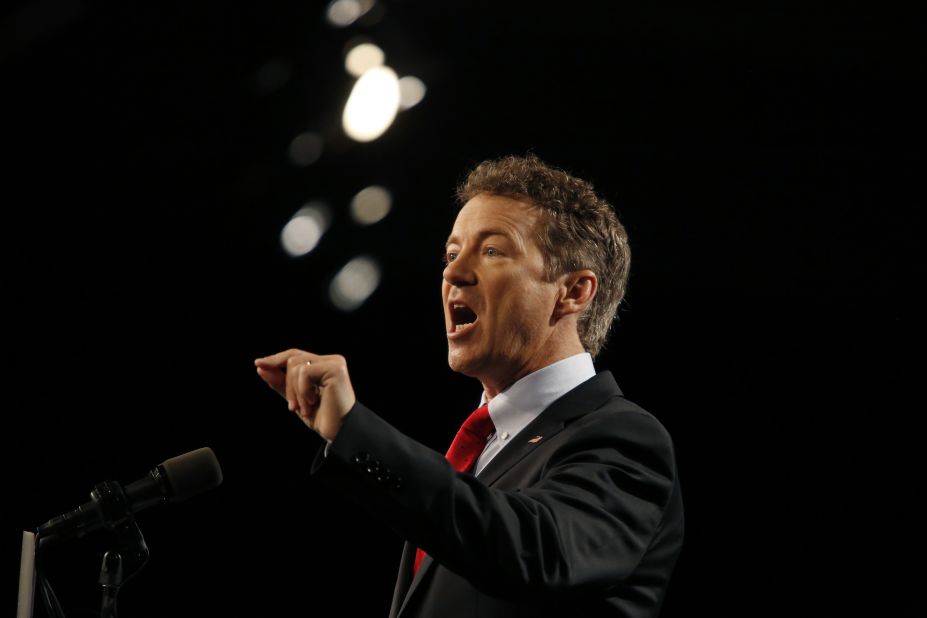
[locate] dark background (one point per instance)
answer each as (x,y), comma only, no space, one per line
(766,160)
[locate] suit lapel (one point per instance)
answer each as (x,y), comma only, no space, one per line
(586,397)
(419,576)
(403,580)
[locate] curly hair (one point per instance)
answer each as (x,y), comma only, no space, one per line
(577,230)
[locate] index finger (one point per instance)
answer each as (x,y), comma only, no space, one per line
(278,360)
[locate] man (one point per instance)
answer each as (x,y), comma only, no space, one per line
(572,508)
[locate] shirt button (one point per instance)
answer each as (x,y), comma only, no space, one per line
(504,435)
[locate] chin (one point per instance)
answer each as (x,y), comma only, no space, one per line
(461,364)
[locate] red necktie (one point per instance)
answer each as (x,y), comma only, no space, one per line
(466,448)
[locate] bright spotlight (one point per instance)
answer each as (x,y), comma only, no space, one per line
(362,58)
(373,104)
(371,204)
(302,233)
(355,283)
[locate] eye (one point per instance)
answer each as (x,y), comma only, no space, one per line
(450,256)
(492,251)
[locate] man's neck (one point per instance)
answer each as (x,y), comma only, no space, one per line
(494,385)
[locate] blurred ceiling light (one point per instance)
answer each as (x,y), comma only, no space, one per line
(306,148)
(362,58)
(371,204)
(411,91)
(343,13)
(373,104)
(355,283)
(303,232)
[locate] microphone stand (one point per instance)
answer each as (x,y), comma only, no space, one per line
(131,551)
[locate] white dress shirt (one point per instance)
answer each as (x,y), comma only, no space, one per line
(522,402)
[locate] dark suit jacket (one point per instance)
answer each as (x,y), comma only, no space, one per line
(585,521)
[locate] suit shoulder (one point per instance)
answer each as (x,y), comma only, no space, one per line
(620,412)
(630,428)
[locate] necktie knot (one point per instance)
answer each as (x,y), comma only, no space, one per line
(471,439)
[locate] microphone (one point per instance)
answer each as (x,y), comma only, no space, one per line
(173,480)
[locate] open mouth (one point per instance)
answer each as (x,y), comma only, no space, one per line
(462,317)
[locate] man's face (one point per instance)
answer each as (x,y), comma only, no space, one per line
(497,304)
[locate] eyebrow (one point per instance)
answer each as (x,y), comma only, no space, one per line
(483,234)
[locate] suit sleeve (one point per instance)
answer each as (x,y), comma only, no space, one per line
(581,526)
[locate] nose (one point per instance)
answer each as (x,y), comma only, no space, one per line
(460,273)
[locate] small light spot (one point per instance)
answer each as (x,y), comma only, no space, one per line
(371,204)
(411,91)
(303,231)
(354,283)
(362,58)
(305,149)
(343,13)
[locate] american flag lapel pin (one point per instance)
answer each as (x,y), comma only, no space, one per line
(536,439)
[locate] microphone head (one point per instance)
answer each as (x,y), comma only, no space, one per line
(192,473)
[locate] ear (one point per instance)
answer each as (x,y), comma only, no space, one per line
(577,289)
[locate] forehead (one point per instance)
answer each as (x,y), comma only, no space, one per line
(487,213)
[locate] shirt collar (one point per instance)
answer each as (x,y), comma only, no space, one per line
(519,404)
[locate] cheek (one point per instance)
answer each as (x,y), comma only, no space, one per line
(517,320)
(531,310)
